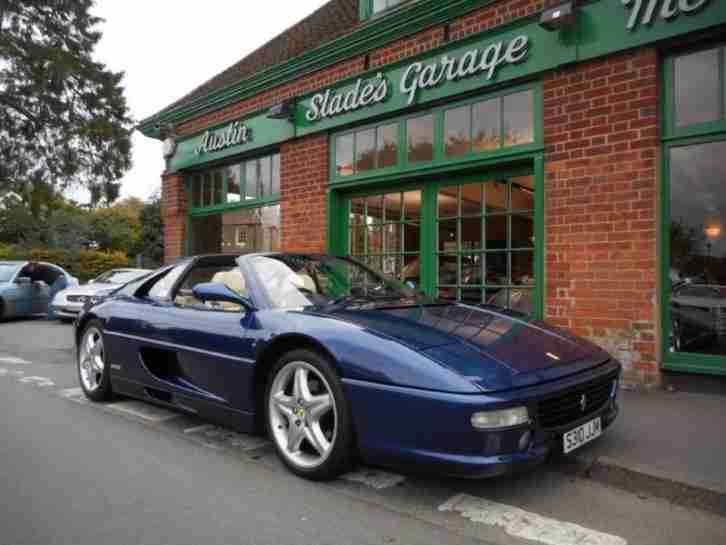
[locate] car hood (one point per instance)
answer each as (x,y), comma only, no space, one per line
(493,349)
(89,289)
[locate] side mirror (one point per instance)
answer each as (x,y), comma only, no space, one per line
(23,280)
(215,292)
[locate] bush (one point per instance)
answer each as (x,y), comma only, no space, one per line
(83,264)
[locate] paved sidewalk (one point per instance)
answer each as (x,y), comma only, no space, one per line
(670,444)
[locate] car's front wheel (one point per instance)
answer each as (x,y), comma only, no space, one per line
(93,370)
(307,416)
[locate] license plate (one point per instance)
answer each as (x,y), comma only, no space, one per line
(581,435)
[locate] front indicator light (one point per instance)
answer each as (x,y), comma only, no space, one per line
(505,418)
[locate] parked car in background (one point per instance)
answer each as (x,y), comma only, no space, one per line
(25,287)
(698,315)
(67,304)
(337,361)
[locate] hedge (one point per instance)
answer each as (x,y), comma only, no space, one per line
(83,264)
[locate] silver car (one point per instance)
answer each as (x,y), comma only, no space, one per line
(67,304)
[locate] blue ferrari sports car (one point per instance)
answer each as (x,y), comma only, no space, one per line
(337,362)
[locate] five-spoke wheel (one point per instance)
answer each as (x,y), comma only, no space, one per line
(92,369)
(307,416)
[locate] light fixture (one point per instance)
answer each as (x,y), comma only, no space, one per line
(713,232)
(284,110)
(557,18)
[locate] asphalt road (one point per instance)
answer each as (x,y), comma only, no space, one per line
(73,472)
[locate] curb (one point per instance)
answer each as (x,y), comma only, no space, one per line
(646,482)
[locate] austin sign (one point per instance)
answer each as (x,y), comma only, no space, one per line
(233,134)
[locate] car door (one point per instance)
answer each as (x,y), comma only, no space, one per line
(214,343)
(44,276)
(22,292)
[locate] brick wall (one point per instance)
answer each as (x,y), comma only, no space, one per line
(174,213)
(601,136)
(304,179)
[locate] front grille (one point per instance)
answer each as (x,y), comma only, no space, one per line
(77,298)
(565,407)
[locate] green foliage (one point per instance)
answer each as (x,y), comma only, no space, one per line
(114,230)
(63,116)
(152,234)
(83,264)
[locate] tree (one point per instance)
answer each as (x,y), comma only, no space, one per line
(152,233)
(63,116)
(114,230)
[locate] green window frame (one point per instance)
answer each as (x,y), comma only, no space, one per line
(440,158)
(209,190)
(340,199)
(675,136)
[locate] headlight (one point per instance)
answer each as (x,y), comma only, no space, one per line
(505,418)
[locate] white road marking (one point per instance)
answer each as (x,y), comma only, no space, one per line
(197,429)
(3,372)
(146,411)
(374,478)
(38,381)
(17,373)
(525,525)
(10,360)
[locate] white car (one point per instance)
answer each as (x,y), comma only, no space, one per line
(698,313)
(67,304)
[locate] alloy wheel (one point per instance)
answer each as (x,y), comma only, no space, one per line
(91,359)
(303,415)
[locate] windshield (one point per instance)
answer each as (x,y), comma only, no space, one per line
(120,277)
(296,281)
(7,270)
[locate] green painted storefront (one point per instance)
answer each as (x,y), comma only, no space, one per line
(423,150)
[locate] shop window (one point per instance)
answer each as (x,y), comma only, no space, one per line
(242,231)
(237,184)
(459,132)
(420,131)
(485,247)
(385,233)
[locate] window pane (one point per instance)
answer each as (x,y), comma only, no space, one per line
(357,211)
(523,268)
(448,236)
(270,226)
(344,155)
(497,269)
(276,174)
(471,269)
(420,139)
(496,232)
(471,233)
(448,270)
(392,238)
(218,186)
(208,190)
(375,209)
(379,5)
(698,249)
(448,293)
(522,231)
(471,199)
(523,193)
(471,296)
(411,238)
(412,206)
(449,202)
(265,176)
(393,206)
(519,118)
(457,127)
(487,125)
(197,191)
(698,97)
(251,180)
(365,150)
(387,146)
(233,184)
(412,270)
(357,236)
(375,239)
(496,197)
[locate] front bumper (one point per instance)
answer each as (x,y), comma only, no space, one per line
(430,432)
(66,311)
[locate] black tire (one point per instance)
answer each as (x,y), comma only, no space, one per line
(341,456)
(65,320)
(2,310)
(103,391)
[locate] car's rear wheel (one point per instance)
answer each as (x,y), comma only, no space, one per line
(93,370)
(308,417)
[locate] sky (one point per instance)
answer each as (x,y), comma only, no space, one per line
(168,47)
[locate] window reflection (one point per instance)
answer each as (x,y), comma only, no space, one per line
(487,126)
(365,150)
(457,128)
(698,93)
(420,139)
(698,249)
(387,146)
(344,155)
(518,118)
